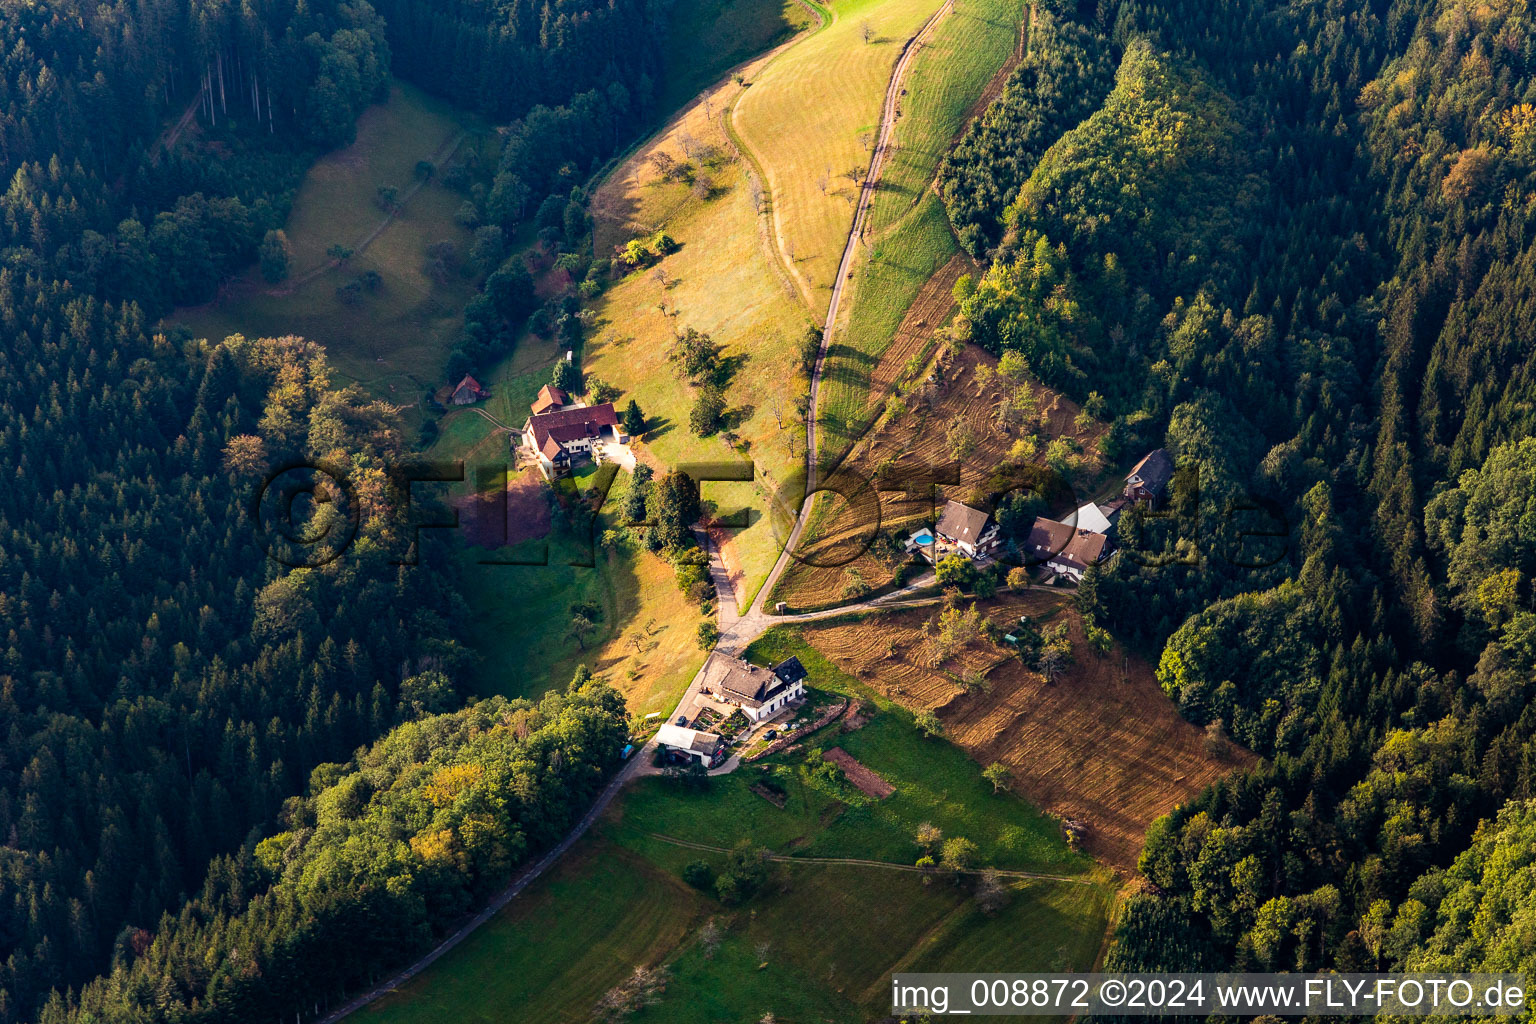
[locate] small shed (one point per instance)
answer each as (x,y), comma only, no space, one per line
(704,747)
(467,391)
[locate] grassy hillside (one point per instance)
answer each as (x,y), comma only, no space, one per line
(811,121)
(395,338)
(909,237)
(723,281)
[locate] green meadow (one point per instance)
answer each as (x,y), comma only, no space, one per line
(819,942)
(909,238)
(394,338)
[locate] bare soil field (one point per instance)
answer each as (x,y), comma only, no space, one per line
(527,512)
(1101,744)
(865,780)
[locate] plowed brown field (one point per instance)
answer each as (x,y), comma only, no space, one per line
(1101,745)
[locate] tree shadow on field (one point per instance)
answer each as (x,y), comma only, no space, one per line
(658,426)
(729,367)
(731,419)
(737,518)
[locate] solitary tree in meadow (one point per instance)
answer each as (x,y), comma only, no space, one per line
(633,419)
(580,627)
(957,854)
(998,774)
(273,256)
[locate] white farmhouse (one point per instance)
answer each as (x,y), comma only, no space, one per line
(760,693)
(1092,518)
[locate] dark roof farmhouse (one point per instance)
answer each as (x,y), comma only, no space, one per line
(969,529)
(1065,548)
(760,692)
(1149,478)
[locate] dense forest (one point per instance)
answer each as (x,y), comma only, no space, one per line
(166,688)
(1295,244)
(383,855)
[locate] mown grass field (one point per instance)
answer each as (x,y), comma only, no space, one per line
(722,282)
(819,943)
(557,948)
(644,643)
(395,339)
(811,119)
(909,237)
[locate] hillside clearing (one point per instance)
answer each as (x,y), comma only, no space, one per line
(394,337)
(839,557)
(720,281)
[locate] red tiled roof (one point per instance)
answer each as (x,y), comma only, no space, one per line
(566,425)
(550,397)
(470,383)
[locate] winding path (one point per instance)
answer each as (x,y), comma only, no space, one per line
(442,153)
(782,858)
(737,629)
(888,114)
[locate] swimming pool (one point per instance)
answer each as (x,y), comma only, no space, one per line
(922,538)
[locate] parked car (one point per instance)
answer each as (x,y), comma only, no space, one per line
(771,734)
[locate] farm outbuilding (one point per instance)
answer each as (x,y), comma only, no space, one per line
(467,391)
(704,747)
(1149,478)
